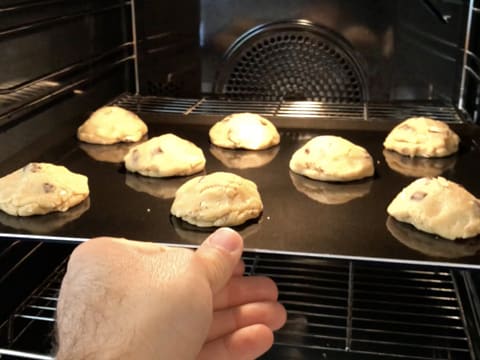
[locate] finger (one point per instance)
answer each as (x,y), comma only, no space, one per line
(216,258)
(244,344)
(271,314)
(239,268)
(243,290)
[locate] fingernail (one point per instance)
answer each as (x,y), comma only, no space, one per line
(226,239)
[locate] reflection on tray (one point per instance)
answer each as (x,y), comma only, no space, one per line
(418,166)
(195,234)
(163,188)
(432,245)
(107,153)
(331,193)
(244,159)
(45,224)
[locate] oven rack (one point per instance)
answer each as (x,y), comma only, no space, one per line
(334,307)
(368,111)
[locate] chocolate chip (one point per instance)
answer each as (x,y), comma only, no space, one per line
(307,151)
(406,127)
(157,150)
(418,195)
(34,167)
(48,188)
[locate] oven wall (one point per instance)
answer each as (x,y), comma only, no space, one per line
(168,47)
(472,66)
(75,55)
(411,49)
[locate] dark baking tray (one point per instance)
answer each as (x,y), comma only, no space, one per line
(294,220)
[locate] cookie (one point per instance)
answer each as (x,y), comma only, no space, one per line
(164,156)
(41,188)
(218,199)
(438,206)
(45,224)
(332,158)
(110,125)
(421,136)
(244,131)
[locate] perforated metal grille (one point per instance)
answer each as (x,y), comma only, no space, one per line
(292,61)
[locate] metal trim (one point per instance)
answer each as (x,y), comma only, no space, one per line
(135,46)
(74,240)
(466,46)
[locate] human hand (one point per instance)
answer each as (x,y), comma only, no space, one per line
(124,299)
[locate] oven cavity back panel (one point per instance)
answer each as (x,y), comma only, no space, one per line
(292,60)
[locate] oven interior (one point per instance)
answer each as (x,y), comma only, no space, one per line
(338,61)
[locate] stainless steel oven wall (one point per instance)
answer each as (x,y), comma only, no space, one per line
(429,49)
(408,51)
(167,34)
(75,54)
(411,49)
(456,69)
(471,80)
(367,25)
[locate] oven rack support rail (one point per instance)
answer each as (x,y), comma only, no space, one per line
(367,111)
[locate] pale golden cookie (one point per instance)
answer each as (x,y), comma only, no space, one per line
(41,188)
(332,158)
(421,136)
(244,131)
(438,206)
(164,156)
(218,199)
(45,224)
(110,125)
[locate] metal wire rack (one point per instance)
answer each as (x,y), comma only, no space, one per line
(349,111)
(369,309)
(355,309)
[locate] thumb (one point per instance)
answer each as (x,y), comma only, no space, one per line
(217,257)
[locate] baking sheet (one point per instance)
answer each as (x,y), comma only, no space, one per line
(300,215)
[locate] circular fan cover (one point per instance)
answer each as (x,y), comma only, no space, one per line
(293,60)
